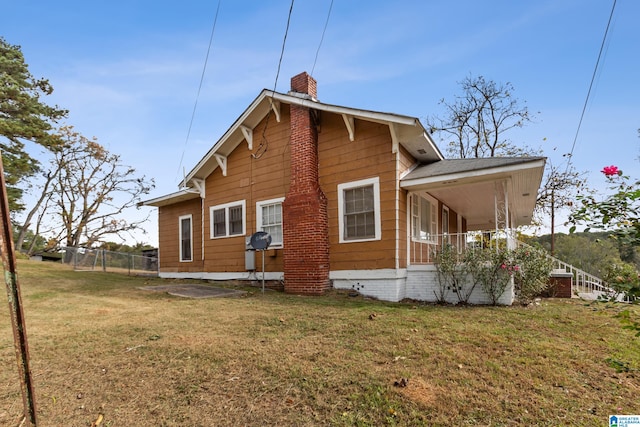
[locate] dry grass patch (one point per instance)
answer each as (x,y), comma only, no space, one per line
(99,345)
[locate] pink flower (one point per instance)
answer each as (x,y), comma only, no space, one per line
(611,170)
(516,268)
(503,266)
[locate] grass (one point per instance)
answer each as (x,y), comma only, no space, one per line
(99,345)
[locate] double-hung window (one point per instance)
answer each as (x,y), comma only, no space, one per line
(424,219)
(269,219)
(359,210)
(186,238)
(227,220)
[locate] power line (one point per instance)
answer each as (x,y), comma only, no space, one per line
(262,148)
(322,38)
(195,105)
(593,77)
(284,42)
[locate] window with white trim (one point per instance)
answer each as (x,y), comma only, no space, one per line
(424,218)
(269,219)
(227,220)
(359,210)
(186,238)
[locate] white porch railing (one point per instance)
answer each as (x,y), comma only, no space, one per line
(584,285)
(423,251)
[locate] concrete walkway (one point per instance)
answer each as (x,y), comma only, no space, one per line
(195,291)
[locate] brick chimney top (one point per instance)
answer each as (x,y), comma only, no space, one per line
(304,84)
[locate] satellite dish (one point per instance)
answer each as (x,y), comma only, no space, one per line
(260,240)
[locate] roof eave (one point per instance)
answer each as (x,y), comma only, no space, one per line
(168,199)
(471,175)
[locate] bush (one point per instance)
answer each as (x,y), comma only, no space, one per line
(492,269)
(453,274)
(532,276)
(623,278)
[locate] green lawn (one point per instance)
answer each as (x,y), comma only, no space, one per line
(101,346)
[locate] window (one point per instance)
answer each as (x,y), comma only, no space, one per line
(359,210)
(227,220)
(186,238)
(269,219)
(424,218)
(445,220)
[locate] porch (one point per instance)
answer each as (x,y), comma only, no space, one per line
(424,252)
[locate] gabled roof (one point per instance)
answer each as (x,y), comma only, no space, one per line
(406,131)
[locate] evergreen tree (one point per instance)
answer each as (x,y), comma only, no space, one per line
(23,117)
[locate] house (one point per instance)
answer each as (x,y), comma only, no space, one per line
(352,199)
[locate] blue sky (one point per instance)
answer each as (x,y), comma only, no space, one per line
(129,71)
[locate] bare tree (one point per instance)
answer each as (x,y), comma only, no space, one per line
(475,124)
(86,191)
(39,208)
(558,190)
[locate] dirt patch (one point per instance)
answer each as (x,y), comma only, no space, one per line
(195,291)
(418,391)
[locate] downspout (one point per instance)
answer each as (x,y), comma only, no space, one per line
(495,210)
(507,217)
(409,229)
(202,229)
(397,210)
(201,187)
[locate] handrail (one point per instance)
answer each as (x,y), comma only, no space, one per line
(583,283)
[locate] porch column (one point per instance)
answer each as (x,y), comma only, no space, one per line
(502,214)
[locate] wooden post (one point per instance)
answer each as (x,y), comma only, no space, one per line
(7,251)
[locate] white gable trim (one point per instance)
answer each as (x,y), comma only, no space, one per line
(405,128)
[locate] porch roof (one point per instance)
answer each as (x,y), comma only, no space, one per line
(468,186)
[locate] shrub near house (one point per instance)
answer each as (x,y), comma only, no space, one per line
(493,270)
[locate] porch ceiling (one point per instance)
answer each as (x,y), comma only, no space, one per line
(468,186)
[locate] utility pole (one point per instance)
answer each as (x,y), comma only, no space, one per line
(7,251)
(553,221)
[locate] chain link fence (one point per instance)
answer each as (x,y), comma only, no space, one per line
(116,262)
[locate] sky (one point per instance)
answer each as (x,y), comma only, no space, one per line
(129,72)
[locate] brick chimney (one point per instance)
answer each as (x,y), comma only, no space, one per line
(304,84)
(305,222)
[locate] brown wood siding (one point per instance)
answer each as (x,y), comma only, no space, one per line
(169,239)
(343,161)
(267,177)
(252,180)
